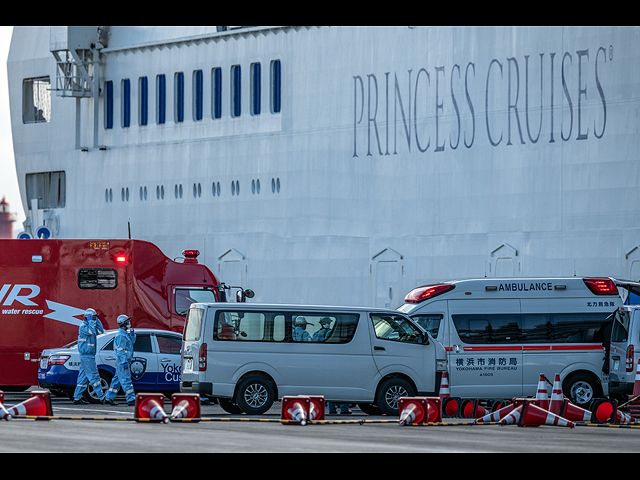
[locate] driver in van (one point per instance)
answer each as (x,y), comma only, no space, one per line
(300,333)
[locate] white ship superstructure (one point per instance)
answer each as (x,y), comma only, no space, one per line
(339,165)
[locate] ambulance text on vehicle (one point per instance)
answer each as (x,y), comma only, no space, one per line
(46,285)
(500,334)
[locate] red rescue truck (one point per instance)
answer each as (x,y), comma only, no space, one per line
(46,285)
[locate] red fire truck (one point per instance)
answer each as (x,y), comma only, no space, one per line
(46,285)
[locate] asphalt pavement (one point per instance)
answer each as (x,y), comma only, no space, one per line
(111,429)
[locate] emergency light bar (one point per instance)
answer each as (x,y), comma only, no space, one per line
(427,291)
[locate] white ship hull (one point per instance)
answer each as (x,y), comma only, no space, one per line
(400,155)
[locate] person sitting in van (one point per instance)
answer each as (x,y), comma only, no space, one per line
(300,333)
(324,331)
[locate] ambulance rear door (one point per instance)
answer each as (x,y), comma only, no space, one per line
(485,350)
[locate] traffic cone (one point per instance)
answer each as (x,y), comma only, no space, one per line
(472,409)
(316,407)
(513,417)
(606,410)
(414,410)
(185,405)
(573,412)
(295,409)
(556,396)
(451,406)
(150,406)
(39,405)
(497,415)
(541,394)
(534,416)
(4,414)
(508,415)
(498,404)
(444,386)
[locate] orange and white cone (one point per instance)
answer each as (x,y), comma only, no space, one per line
(39,404)
(444,386)
(513,417)
(534,416)
(4,413)
(556,396)
(542,395)
(573,412)
(497,415)
(295,409)
(316,407)
(472,409)
(411,411)
(185,405)
(150,406)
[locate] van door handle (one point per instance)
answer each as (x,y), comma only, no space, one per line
(379,348)
(110,358)
(457,348)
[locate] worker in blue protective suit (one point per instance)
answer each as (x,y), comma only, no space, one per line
(88,374)
(123,349)
(300,333)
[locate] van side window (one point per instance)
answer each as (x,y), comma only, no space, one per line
(249,326)
(564,327)
(323,328)
(488,328)
(431,323)
(396,328)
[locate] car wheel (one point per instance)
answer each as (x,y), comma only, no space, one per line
(255,395)
(105,380)
(581,389)
(389,393)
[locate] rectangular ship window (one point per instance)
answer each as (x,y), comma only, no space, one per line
(36,100)
(49,188)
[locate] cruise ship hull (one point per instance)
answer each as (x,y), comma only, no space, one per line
(398,156)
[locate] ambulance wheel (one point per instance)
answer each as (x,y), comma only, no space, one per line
(581,388)
(229,407)
(255,395)
(389,393)
(105,380)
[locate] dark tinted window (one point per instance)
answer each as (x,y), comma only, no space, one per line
(488,328)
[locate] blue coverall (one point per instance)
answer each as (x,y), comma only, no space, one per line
(123,348)
(88,373)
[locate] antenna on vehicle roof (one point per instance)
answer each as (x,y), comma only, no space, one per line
(129,228)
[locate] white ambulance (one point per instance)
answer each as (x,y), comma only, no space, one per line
(500,334)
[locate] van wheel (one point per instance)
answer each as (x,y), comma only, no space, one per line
(389,393)
(581,388)
(255,395)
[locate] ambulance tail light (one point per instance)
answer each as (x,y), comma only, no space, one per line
(58,359)
(601,286)
(121,259)
(630,363)
(202,362)
(427,292)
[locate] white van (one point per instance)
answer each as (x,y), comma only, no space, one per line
(500,334)
(625,350)
(249,355)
